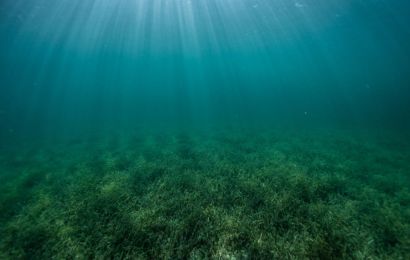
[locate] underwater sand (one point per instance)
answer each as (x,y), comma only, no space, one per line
(221,194)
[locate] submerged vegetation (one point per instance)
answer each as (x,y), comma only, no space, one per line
(225,195)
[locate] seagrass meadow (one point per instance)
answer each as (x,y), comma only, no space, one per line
(204,129)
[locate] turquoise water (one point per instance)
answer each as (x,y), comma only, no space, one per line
(228,129)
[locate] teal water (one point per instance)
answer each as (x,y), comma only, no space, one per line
(228,129)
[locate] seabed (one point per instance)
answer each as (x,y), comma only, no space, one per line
(226,194)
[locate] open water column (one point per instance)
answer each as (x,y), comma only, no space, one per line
(204,129)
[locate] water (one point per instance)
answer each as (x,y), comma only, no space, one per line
(204,129)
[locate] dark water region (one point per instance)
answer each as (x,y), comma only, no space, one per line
(204,129)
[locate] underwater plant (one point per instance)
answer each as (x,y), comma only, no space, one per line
(208,196)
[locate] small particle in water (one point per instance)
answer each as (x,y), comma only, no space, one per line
(255,6)
(11,130)
(299,5)
(305,113)
(367,86)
